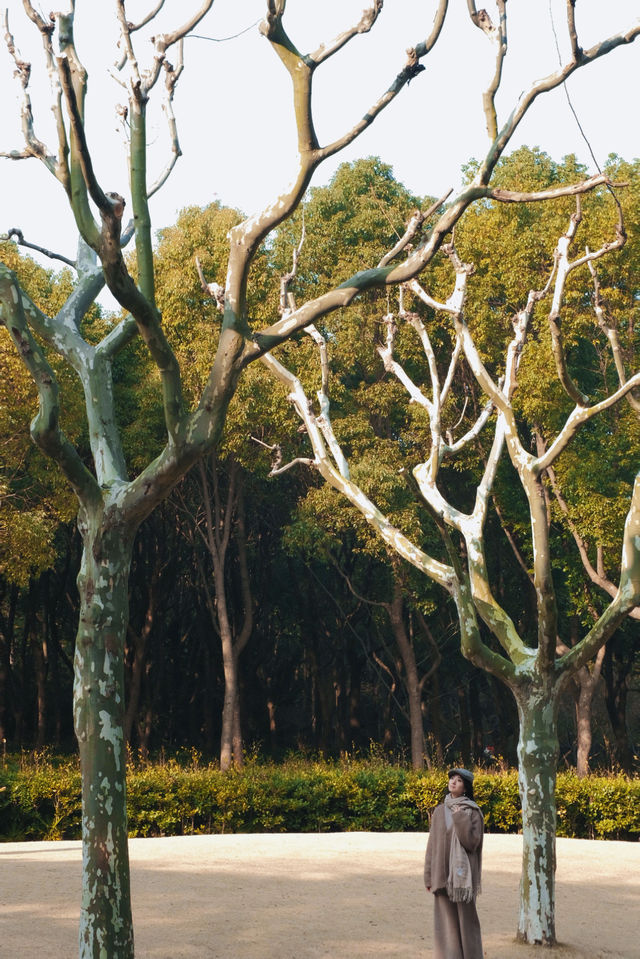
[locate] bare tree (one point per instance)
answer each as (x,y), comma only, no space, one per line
(219,524)
(111,504)
(536,675)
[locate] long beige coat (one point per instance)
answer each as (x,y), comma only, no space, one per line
(469,826)
(456,927)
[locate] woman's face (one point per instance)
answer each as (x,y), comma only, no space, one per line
(456,786)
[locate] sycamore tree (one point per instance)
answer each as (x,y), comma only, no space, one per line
(535,667)
(112,500)
(531,658)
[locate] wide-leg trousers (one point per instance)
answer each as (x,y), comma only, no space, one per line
(456,929)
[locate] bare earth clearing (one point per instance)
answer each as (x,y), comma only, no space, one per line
(339,895)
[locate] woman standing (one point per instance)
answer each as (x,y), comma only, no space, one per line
(452,869)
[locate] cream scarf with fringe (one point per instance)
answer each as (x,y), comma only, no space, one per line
(460,879)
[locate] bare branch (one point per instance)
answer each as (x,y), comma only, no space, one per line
(425,46)
(172,77)
(452,447)
(453,363)
(392,366)
(211,289)
(310,153)
(34,146)
(427,299)
(410,70)
(120,283)
(405,272)
(118,338)
(413,228)
(366,22)
(627,594)
(168,39)
(163,41)
(576,50)
(287,302)
(498,36)
(324,419)
(596,576)
(298,461)
(611,333)
(390,534)
(564,268)
(80,155)
(578,417)
(20,240)
(128,53)
(569,189)
(149,17)
(548,83)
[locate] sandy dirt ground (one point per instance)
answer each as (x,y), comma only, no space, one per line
(342,895)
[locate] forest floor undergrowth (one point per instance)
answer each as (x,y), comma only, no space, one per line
(313,896)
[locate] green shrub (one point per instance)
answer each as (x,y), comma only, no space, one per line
(40,799)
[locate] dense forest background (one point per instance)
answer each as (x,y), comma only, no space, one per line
(331,636)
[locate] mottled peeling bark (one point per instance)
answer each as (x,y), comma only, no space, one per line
(106,929)
(537,759)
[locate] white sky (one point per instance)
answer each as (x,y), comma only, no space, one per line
(233,102)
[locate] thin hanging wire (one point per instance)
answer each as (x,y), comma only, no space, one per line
(573,110)
(198,36)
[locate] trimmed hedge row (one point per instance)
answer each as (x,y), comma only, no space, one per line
(42,800)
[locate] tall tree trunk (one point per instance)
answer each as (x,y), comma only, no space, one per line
(4,688)
(537,757)
(220,523)
(19,675)
(145,726)
(242,635)
(436,720)
(414,687)
(7,626)
(586,683)
(208,718)
(39,659)
(323,705)
(477,725)
(583,686)
(106,928)
(53,662)
(135,683)
(228,735)
(464,724)
(617,674)
(584,736)
(140,644)
(355,695)
(273,726)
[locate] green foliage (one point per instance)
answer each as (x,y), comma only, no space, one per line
(600,807)
(41,799)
